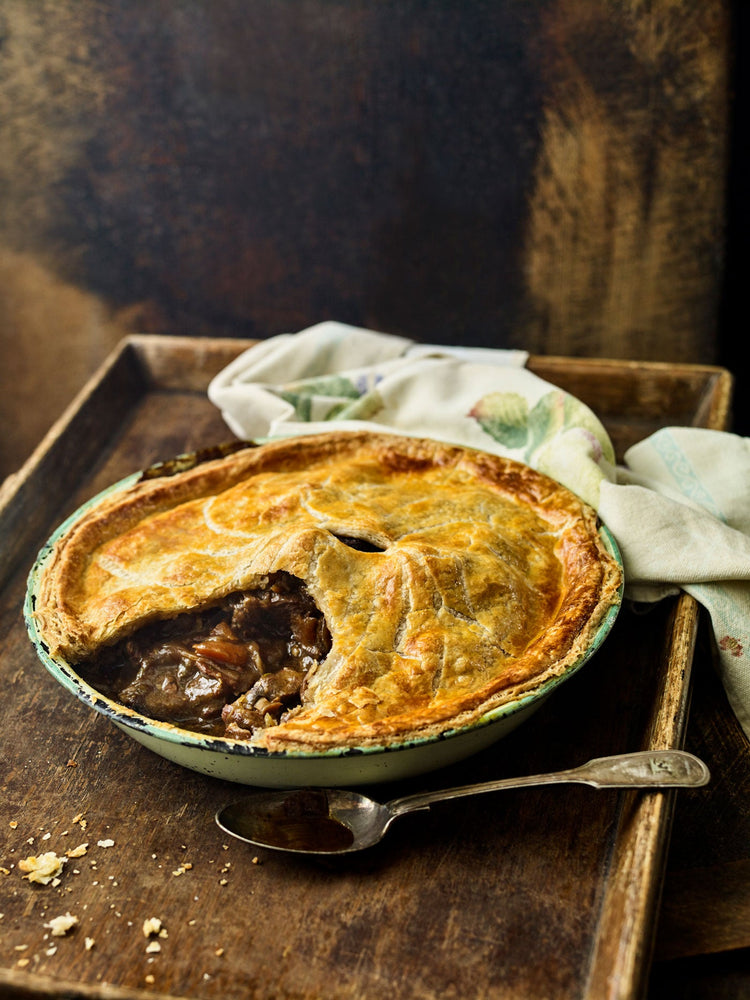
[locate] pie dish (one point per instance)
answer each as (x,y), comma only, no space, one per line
(317,598)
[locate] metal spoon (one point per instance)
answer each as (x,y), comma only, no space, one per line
(337,821)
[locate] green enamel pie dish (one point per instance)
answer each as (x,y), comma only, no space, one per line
(238,761)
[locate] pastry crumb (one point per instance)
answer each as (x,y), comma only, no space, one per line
(42,868)
(105,843)
(77,852)
(59,926)
(151,926)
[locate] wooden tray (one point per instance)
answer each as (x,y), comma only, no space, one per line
(525,894)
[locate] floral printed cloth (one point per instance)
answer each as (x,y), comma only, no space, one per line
(679,508)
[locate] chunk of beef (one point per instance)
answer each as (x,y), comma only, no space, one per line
(174,690)
(179,680)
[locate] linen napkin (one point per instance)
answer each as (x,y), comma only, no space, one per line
(679,508)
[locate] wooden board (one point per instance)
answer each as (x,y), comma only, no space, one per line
(542,892)
(706,900)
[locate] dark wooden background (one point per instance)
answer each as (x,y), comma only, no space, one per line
(551,176)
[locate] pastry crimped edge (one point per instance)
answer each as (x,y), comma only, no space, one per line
(70,634)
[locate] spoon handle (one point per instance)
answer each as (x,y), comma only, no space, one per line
(642,769)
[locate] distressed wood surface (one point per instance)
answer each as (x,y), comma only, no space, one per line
(515,896)
(706,905)
(548,176)
(703,940)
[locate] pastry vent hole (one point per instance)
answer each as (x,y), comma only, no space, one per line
(361,544)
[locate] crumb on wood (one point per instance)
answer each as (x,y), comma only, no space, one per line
(153,926)
(42,868)
(59,926)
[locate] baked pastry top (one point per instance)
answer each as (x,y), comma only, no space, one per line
(423,584)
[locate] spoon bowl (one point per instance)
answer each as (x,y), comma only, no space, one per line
(338,821)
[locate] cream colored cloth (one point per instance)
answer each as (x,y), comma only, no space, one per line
(680,511)
(679,508)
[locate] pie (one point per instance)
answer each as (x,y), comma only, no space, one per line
(333,590)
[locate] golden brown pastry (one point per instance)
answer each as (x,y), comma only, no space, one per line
(343,589)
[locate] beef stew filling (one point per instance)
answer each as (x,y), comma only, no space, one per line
(227,670)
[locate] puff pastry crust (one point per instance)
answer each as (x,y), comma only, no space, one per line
(487,578)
